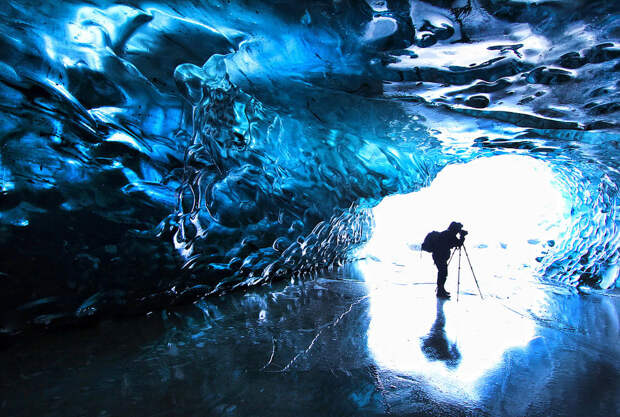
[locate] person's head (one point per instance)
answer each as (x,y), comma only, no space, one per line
(455,227)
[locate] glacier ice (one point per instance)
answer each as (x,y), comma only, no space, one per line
(155,153)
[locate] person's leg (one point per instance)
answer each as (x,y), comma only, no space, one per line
(442,275)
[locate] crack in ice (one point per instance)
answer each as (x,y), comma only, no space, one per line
(316,337)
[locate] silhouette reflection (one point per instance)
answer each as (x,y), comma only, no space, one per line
(435,345)
(413,334)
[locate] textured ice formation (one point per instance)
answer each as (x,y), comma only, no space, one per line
(154,153)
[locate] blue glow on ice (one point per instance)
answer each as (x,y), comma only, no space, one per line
(219,145)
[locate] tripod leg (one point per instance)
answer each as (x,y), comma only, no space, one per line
(450,260)
(458,281)
(472,272)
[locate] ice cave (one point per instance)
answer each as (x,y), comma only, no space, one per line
(219,207)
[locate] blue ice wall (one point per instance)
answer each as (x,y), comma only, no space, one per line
(154,153)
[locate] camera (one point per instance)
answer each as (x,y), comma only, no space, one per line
(463,232)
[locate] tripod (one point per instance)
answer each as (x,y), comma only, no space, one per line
(458,282)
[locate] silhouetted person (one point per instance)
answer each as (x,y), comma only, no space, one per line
(435,345)
(441,245)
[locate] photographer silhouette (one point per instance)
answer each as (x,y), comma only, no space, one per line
(440,244)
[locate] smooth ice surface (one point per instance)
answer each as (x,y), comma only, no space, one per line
(174,173)
(364,342)
(154,152)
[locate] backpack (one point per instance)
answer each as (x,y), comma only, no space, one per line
(430,241)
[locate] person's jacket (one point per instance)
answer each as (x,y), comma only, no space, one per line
(447,240)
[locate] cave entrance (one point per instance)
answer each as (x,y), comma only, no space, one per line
(515,211)
(512,205)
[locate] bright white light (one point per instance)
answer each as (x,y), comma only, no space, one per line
(511,207)
(124,138)
(87,34)
(480,332)
(510,204)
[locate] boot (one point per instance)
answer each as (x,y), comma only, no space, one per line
(442,293)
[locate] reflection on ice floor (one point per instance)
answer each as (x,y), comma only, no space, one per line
(477,333)
(334,345)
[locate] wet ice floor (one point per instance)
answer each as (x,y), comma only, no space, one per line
(369,341)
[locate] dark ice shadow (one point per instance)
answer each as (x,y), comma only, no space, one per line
(435,345)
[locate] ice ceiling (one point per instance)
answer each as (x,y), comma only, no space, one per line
(154,153)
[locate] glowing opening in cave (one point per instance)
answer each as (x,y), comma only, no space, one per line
(512,205)
(513,208)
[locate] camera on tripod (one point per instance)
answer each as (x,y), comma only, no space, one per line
(459,248)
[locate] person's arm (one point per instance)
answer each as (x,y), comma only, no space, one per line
(456,242)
